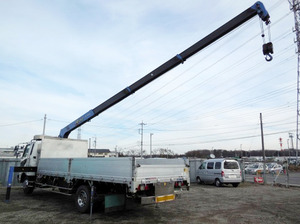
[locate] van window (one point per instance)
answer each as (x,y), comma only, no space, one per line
(218,165)
(231,165)
(202,166)
(210,165)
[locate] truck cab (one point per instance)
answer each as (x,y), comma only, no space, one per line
(30,154)
(29,158)
(49,147)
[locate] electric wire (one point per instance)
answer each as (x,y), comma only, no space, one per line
(20,123)
(151,95)
(271,94)
(173,89)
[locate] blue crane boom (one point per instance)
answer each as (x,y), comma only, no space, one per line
(257,9)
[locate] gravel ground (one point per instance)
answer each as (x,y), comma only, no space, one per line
(248,203)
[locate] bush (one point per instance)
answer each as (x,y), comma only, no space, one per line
(295,168)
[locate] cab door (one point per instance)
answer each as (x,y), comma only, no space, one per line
(26,154)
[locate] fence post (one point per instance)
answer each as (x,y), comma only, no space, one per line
(9,183)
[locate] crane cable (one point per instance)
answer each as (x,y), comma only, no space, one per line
(267,47)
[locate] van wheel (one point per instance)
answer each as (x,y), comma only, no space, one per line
(83,198)
(199,181)
(218,183)
(235,185)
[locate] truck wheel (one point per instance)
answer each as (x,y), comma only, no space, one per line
(218,183)
(83,198)
(26,188)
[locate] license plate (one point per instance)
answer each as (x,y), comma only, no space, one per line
(164,198)
(232,176)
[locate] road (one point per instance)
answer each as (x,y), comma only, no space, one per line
(293,179)
(247,203)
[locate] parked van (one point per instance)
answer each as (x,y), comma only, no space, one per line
(219,172)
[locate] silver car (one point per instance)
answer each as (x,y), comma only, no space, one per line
(255,168)
(275,168)
(219,172)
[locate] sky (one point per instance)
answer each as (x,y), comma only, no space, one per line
(63,58)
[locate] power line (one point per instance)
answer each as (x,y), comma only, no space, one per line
(20,123)
(181,84)
(222,108)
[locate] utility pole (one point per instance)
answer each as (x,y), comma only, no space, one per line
(292,142)
(116,151)
(241,147)
(141,132)
(295,7)
(151,134)
(44,127)
(263,147)
(95,142)
(288,140)
(79,133)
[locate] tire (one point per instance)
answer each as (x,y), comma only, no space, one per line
(83,199)
(199,181)
(218,183)
(26,188)
(235,184)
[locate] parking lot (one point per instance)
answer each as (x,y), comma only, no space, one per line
(248,203)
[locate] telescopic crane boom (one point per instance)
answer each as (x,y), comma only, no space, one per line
(257,9)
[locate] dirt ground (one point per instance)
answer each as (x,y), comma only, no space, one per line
(248,203)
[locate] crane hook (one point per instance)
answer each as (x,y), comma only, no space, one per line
(268,50)
(268,57)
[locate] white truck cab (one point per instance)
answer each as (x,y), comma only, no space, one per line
(31,152)
(42,146)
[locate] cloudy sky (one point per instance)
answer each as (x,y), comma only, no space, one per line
(62,58)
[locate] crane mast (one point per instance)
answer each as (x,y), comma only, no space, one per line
(257,9)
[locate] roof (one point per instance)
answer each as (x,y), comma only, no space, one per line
(218,160)
(99,151)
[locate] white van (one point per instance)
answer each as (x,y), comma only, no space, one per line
(219,172)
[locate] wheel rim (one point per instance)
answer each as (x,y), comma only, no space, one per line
(82,198)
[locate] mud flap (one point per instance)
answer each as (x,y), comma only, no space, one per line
(164,188)
(114,202)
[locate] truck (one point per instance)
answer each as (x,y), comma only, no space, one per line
(62,164)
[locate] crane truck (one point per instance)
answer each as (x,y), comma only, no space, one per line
(63,164)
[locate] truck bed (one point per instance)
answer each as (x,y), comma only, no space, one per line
(123,170)
(117,170)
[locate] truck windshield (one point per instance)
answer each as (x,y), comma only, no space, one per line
(230,165)
(26,150)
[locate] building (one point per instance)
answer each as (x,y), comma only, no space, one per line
(100,153)
(7,153)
